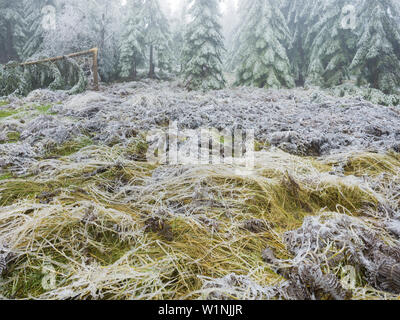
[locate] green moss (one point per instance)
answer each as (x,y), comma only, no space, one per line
(13,136)
(45,109)
(69,148)
(5,176)
(27,283)
(112,248)
(137,150)
(7,113)
(261,145)
(15,190)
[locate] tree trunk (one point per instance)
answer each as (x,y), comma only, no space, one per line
(152,67)
(10,53)
(134,70)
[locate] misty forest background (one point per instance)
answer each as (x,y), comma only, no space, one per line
(265,43)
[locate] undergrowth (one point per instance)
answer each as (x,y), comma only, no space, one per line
(114,227)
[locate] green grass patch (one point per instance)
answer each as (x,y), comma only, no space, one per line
(6,176)
(372,164)
(45,109)
(4,103)
(69,148)
(7,113)
(13,136)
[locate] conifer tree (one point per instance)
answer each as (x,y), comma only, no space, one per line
(233,58)
(377,60)
(12,30)
(132,41)
(229,22)
(262,45)
(156,35)
(84,25)
(202,63)
(35,31)
(329,45)
(301,15)
(178,30)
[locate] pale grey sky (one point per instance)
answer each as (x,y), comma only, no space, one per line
(175,3)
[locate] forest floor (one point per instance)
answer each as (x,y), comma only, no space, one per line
(83,215)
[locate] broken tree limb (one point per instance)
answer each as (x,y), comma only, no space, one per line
(93,51)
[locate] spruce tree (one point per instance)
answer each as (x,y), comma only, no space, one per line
(132,41)
(301,15)
(12,30)
(229,22)
(233,58)
(156,35)
(329,45)
(35,31)
(202,63)
(178,30)
(377,60)
(104,21)
(262,45)
(84,25)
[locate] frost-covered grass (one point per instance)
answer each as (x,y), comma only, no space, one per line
(83,216)
(90,222)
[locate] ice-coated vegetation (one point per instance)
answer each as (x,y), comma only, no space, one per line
(84,212)
(318,218)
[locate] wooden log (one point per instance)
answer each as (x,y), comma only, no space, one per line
(95,69)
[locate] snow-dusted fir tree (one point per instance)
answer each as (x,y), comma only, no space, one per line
(132,40)
(330,44)
(34,22)
(12,30)
(262,44)
(202,63)
(377,60)
(156,36)
(301,15)
(229,21)
(233,58)
(178,30)
(81,25)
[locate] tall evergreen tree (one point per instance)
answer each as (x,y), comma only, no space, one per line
(262,44)
(35,31)
(229,22)
(178,30)
(106,33)
(12,30)
(329,45)
(301,15)
(326,52)
(233,58)
(203,47)
(84,25)
(132,40)
(377,60)
(156,35)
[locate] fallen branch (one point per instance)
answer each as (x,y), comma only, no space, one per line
(93,51)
